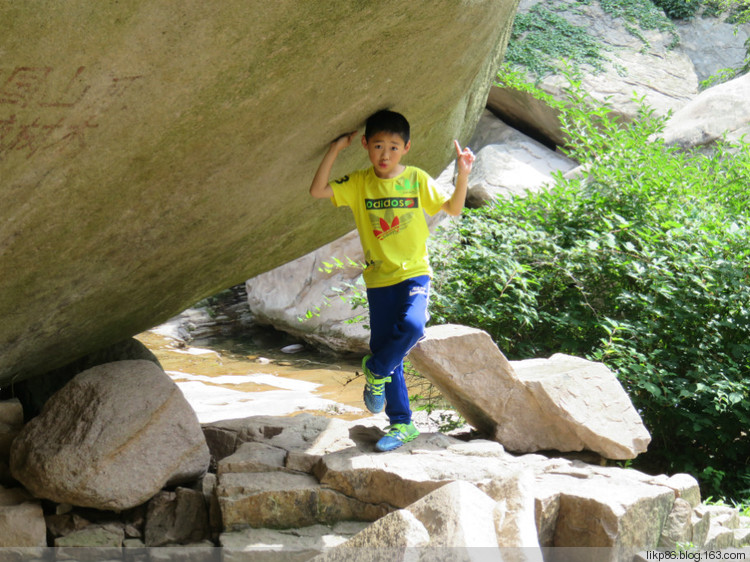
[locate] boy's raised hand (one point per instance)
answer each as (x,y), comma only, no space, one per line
(320,186)
(465,158)
(343,141)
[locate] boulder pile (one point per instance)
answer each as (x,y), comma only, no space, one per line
(306,486)
(140,472)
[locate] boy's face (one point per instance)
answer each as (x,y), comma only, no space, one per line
(385,151)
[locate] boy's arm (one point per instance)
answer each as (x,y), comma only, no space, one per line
(320,188)
(464,159)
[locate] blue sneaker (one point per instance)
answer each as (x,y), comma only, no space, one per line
(374,394)
(398,434)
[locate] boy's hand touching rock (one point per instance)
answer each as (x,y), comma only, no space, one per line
(343,141)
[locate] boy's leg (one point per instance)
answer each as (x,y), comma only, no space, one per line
(398,315)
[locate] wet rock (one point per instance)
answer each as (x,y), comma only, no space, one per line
(111,439)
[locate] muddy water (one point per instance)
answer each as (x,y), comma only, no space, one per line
(225,378)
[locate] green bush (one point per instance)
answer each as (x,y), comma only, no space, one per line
(642,263)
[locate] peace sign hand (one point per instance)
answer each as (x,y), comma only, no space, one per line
(465,158)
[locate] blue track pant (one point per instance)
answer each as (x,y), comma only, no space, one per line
(398,315)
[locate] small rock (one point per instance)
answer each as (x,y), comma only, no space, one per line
(253,457)
(93,536)
(397,530)
(179,517)
(21,519)
(290,545)
(678,528)
(284,500)
(458,515)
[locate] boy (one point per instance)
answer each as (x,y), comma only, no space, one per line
(388,200)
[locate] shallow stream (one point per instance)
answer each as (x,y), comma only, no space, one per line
(230,377)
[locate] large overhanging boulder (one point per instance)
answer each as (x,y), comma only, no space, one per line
(154,153)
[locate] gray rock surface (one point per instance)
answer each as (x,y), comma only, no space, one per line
(561,502)
(289,545)
(435,496)
(178,517)
(385,539)
(713,44)
(153,155)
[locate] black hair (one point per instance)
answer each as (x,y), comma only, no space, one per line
(388,122)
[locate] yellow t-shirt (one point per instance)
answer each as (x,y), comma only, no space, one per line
(389,214)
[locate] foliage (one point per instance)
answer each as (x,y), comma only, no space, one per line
(353,293)
(739,10)
(643,264)
(640,15)
(543,37)
(513,77)
(425,397)
(540,38)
